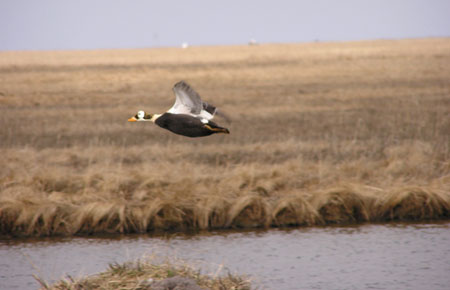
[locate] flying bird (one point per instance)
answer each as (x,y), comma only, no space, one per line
(189,116)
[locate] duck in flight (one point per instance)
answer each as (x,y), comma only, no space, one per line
(189,116)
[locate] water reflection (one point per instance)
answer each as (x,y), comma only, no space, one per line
(392,256)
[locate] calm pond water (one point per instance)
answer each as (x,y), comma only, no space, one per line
(392,256)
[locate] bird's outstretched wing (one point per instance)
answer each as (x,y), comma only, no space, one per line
(189,102)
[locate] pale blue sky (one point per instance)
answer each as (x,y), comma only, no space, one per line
(97,24)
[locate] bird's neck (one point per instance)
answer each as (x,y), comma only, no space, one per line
(154,117)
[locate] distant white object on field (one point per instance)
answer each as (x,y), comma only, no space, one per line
(252,41)
(184,45)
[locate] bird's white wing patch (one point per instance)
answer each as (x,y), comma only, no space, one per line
(205,115)
(187,100)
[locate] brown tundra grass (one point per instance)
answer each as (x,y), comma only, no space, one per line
(141,275)
(322,133)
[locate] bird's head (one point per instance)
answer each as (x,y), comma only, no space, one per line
(140,116)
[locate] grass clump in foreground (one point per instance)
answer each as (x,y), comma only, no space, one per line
(146,275)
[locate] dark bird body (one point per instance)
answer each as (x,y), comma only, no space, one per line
(187,125)
(189,116)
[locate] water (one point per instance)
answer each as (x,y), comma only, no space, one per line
(393,256)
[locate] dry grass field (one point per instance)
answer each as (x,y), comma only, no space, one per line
(322,133)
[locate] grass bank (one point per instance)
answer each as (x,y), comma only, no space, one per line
(322,133)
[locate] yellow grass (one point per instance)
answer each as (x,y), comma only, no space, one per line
(322,133)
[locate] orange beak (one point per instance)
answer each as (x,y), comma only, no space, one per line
(132,119)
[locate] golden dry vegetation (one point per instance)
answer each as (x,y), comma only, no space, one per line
(322,133)
(145,275)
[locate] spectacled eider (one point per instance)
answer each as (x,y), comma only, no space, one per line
(189,116)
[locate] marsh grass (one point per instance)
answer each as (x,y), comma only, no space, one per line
(323,133)
(140,275)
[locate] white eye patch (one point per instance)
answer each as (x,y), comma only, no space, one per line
(141,114)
